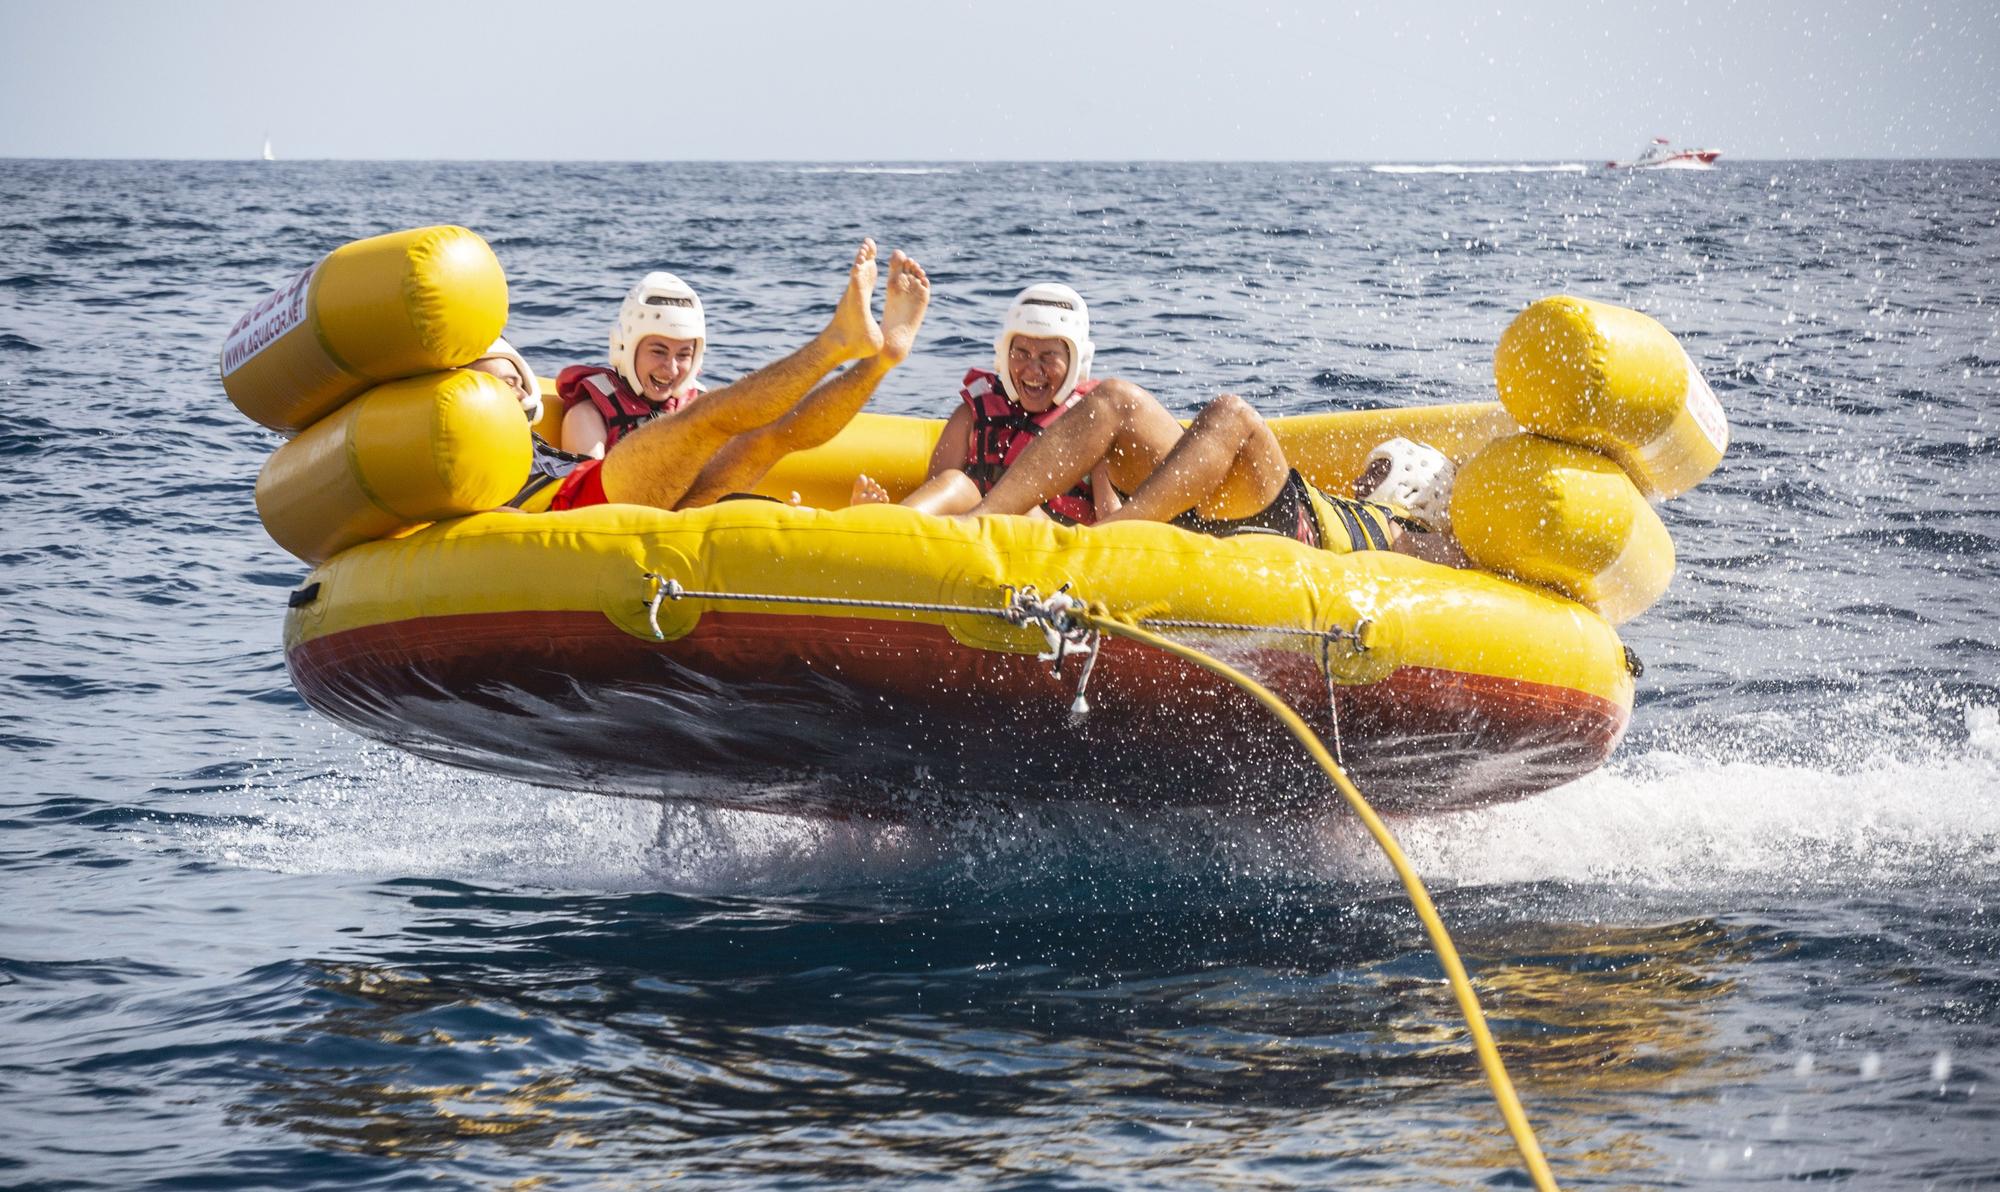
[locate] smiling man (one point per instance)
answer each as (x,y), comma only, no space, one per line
(1038,436)
(1041,368)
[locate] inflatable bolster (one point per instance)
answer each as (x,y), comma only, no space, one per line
(549,426)
(1617,381)
(1564,517)
(402,455)
(371,311)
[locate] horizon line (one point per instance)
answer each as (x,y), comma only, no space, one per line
(1336,161)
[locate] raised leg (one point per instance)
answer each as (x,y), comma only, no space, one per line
(743,460)
(659,462)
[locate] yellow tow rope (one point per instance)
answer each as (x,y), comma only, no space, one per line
(1098,617)
(1025,608)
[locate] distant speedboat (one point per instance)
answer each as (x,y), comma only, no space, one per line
(1660,155)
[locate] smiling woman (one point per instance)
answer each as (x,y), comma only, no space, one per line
(656,349)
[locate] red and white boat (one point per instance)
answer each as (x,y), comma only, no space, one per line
(1661,155)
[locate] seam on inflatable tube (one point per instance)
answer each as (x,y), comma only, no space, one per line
(440,430)
(1618,579)
(1597,376)
(354,469)
(419,298)
(318,326)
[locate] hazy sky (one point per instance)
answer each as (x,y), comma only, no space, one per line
(1032,79)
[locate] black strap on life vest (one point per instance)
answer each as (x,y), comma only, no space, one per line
(547,465)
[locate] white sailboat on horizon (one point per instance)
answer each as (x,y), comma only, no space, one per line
(268,155)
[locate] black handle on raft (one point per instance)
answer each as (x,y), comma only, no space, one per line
(302,596)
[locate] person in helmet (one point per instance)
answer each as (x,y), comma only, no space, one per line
(656,347)
(506,364)
(548,464)
(1041,369)
(1224,474)
(1415,479)
(681,447)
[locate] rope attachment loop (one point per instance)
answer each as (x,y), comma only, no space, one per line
(1062,629)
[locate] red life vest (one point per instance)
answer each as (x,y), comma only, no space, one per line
(1001,431)
(621,409)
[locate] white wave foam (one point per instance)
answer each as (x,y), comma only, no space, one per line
(1659,822)
(1669,822)
(383,813)
(394,816)
(1566,167)
(875,170)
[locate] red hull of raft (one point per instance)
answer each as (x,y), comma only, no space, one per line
(838,716)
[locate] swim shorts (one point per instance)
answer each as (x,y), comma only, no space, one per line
(1307,514)
(582,488)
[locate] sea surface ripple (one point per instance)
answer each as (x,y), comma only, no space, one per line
(241,948)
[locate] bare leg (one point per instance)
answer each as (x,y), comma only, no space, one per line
(1117,423)
(656,464)
(945,494)
(1227,465)
(743,460)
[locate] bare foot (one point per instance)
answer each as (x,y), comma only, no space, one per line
(853,333)
(867,490)
(903,304)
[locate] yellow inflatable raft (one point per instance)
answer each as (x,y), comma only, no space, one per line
(830,660)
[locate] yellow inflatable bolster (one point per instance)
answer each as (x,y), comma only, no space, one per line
(371,311)
(1615,380)
(549,425)
(893,450)
(403,454)
(1565,517)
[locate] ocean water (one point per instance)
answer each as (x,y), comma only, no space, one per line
(241,948)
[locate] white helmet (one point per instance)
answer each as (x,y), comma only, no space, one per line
(531,403)
(1047,310)
(661,304)
(1419,481)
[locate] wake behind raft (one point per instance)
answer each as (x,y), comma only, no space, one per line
(840,661)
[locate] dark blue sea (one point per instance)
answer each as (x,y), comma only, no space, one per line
(242,948)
